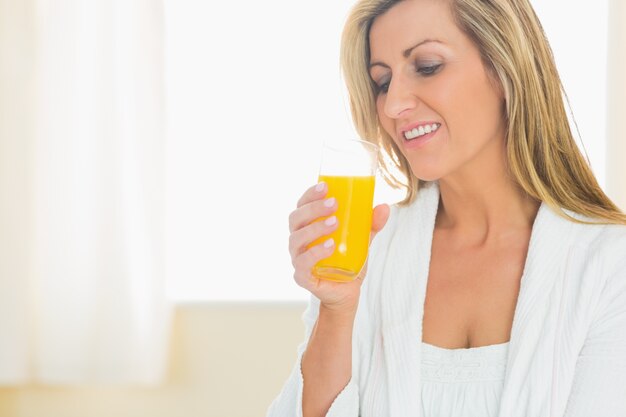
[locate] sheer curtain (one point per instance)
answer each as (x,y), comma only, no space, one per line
(82,295)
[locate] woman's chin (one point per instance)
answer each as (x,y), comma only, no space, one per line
(427,175)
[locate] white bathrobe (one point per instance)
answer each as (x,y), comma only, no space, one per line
(567,352)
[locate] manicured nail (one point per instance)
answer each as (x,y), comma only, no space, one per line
(320,187)
(330,221)
(330,242)
(330,202)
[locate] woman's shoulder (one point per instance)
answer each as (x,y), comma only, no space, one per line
(604,244)
(609,245)
(600,253)
(596,235)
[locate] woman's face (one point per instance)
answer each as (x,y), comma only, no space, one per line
(431,78)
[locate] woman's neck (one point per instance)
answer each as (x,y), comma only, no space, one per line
(481,200)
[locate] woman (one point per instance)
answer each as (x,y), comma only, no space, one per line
(498,287)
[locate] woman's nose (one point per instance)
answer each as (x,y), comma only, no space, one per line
(399,98)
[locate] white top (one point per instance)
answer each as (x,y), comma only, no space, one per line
(462,382)
(567,351)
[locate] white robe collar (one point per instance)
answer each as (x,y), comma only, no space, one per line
(404,286)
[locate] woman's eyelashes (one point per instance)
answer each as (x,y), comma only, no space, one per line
(423,70)
(382,88)
(428,69)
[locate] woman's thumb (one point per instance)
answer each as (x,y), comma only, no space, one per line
(379,219)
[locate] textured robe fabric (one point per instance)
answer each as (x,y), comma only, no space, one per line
(567,352)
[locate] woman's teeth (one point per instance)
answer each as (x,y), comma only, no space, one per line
(420,131)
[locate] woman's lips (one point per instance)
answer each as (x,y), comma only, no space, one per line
(419,142)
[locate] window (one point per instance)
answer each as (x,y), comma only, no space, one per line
(253,89)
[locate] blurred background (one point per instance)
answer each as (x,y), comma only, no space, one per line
(150,154)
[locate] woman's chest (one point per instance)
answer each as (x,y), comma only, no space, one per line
(471,294)
(550,309)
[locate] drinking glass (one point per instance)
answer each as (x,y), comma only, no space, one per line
(348,168)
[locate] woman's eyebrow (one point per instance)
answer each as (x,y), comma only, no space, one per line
(407,52)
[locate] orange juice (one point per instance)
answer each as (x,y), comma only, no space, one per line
(355,195)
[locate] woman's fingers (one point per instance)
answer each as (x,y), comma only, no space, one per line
(313,208)
(304,262)
(307,224)
(315,192)
(379,219)
(301,238)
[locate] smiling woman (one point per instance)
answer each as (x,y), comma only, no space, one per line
(506,256)
(459,65)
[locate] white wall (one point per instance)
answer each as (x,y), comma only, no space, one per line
(227,360)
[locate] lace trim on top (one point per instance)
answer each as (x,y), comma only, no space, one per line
(484,363)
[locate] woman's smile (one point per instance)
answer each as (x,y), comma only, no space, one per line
(418,135)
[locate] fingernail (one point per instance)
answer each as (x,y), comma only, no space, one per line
(330,242)
(330,202)
(330,221)
(320,187)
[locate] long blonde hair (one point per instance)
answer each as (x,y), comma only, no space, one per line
(542,156)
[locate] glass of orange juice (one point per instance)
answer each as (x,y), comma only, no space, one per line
(348,168)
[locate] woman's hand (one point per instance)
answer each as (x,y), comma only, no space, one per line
(304,229)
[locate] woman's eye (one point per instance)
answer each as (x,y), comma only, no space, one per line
(382,88)
(428,70)
(425,71)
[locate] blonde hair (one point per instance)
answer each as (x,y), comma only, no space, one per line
(542,156)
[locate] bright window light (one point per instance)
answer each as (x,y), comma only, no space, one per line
(253,89)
